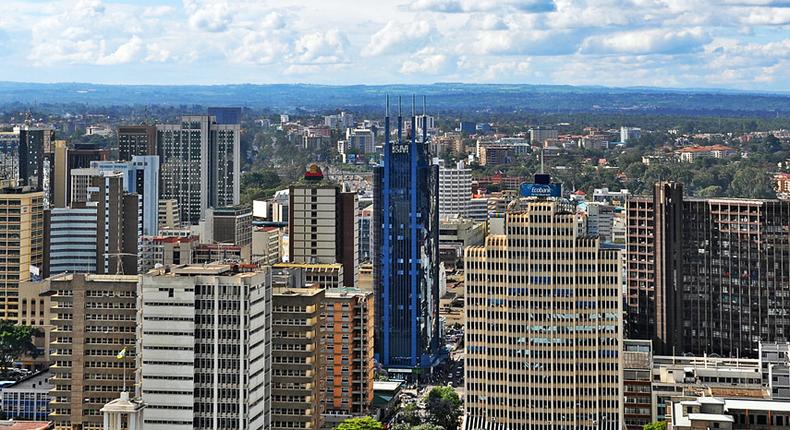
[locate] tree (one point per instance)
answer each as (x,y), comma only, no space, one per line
(15,341)
(658,425)
(752,183)
(444,407)
(361,423)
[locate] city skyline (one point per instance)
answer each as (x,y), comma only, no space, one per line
(706,44)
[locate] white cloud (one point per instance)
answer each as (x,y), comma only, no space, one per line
(458,6)
(321,48)
(211,16)
(427,61)
(653,41)
(126,53)
(400,38)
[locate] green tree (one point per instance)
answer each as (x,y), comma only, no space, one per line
(658,425)
(444,407)
(361,423)
(709,192)
(15,341)
(752,183)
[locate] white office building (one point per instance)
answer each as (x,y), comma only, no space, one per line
(206,348)
(141,176)
(629,133)
(455,191)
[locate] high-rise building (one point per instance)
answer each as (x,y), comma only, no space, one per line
(97,235)
(93,346)
(231,225)
(199,164)
(705,275)
(538,135)
(80,156)
(455,191)
(141,177)
(364,237)
(348,349)
(298,369)
(21,245)
(60,174)
(359,141)
(167,251)
(206,348)
(600,220)
(267,245)
(34,142)
(406,243)
(136,140)
(543,325)
(169,214)
(322,224)
(637,383)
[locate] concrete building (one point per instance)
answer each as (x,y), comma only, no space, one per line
(34,311)
(169,214)
(28,398)
(59,177)
(141,177)
(324,275)
(539,135)
(705,275)
(322,224)
(455,191)
(495,155)
(455,234)
(628,134)
(691,413)
(22,241)
(359,141)
(478,209)
(206,348)
(34,143)
(637,383)
(298,362)
(200,164)
(348,348)
(123,413)
(230,225)
(267,245)
(775,368)
(543,332)
(95,318)
(107,225)
(600,220)
(167,251)
(136,140)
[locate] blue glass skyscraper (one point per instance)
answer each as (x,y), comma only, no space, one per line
(406,250)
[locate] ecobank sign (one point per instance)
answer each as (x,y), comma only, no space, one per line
(541,190)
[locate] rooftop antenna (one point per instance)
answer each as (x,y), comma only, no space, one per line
(424,121)
(541,159)
(400,121)
(413,118)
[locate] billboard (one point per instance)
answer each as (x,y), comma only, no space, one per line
(541,190)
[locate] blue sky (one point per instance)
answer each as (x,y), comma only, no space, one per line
(743,44)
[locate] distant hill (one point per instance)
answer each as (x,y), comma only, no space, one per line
(442,97)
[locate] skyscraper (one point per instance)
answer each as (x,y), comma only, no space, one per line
(21,244)
(199,164)
(141,177)
(543,325)
(322,224)
(707,275)
(95,318)
(406,243)
(136,140)
(207,348)
(455,190)
(34,142)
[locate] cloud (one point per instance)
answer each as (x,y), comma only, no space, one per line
(527,42)
(653,41)
(459,6)
(126,53)
(321,48)
(427,61)
(399,38)
(210,16)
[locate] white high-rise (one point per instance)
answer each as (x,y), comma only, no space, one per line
(543,325)
(455,191)
(206,348)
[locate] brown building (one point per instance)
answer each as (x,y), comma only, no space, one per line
(637,380)
(707,276)
(348,347)
(322,224)
(34,311)
(21,244)
(493,155)
(95,318)
(298,369)
(136,140)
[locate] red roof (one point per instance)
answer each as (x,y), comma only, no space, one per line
(25,425)
(711,148)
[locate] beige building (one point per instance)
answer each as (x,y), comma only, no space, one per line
(298,370)
(325,275)
(348,348)
(543,325)
(95,318)
(22,242)
(169,214)
(267,245)
(34,311)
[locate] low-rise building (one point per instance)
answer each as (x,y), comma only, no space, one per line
(731,414)
(28,398)
(691,153)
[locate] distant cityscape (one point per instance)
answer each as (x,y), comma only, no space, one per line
(238,268)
